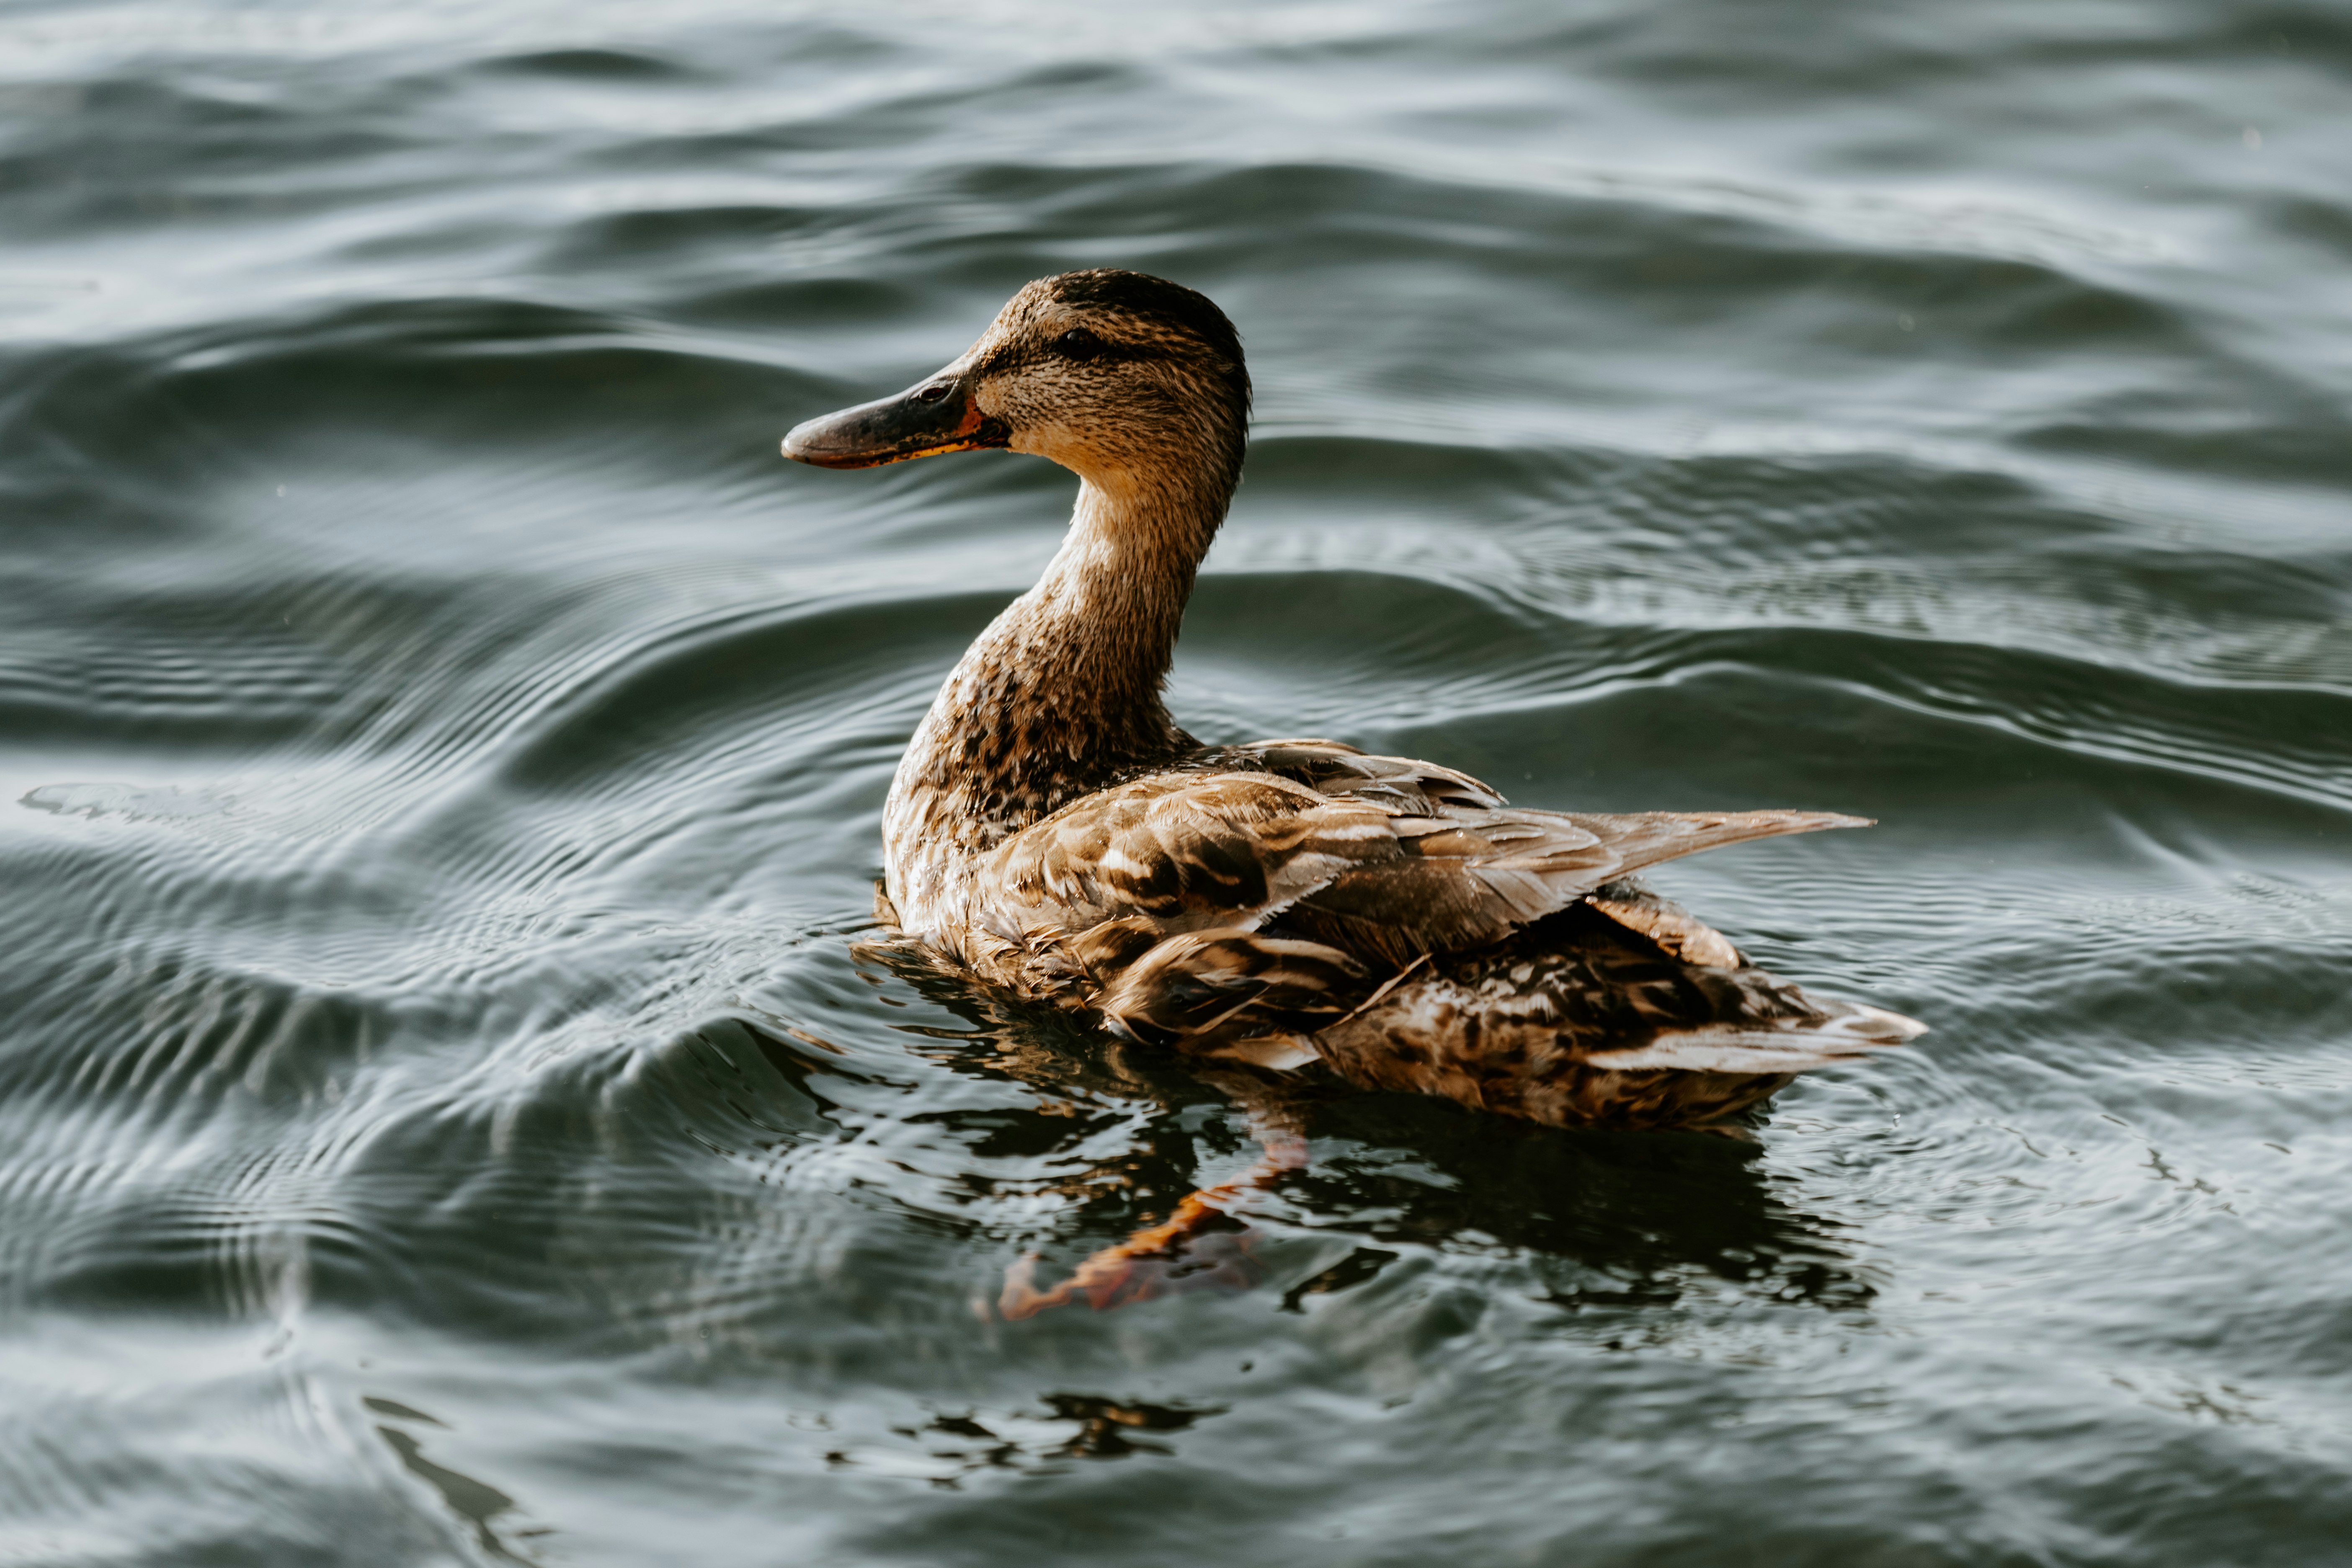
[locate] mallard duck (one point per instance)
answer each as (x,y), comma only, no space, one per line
(1053,832)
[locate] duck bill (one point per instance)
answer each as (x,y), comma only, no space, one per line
(923,421)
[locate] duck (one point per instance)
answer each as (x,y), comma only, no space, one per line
(1288,906)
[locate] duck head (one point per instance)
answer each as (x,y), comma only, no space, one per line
(1121,377)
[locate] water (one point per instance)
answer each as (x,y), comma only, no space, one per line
(445,1117)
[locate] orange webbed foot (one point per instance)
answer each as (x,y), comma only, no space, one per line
(1189,1250)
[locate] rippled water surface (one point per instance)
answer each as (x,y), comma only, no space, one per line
(445,1113)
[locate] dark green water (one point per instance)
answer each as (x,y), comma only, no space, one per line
(443,1118)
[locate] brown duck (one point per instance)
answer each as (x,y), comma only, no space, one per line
(1052,831)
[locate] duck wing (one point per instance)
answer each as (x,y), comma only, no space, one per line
(1146,900)
(1470,878)
(1179,851)
(1161,890)
(1473,868)
(1390,858)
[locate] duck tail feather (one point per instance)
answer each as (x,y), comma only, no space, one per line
(1849,1031)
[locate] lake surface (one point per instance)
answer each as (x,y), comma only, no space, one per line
(445,1114)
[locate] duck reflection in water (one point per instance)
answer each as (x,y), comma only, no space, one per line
(1052,835)
(1636,1217)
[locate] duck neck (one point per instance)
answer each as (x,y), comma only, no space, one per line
(1061,694)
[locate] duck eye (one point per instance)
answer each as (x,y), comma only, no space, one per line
(1079,344)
